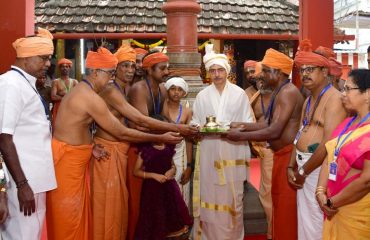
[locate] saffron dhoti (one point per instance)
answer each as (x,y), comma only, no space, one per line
(68,211)
(109,192)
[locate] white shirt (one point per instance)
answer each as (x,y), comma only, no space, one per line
(22,115)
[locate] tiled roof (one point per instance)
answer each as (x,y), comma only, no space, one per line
(217,16)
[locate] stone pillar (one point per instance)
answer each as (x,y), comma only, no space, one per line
(16,20)
(316,22)
(182,42)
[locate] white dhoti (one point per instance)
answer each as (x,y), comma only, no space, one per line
(180,161)
(220,221)
(221,166)
(310,216)
(18,226)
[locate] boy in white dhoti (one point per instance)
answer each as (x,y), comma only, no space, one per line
(221,166)
(177,88)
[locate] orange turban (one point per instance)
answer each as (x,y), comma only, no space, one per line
(326,52)
(140,51)
(305,56)
(278,60)
(65,61)
(250,63)
(125,53)
(41,44)
(335,67)
(154,58)
(102,58)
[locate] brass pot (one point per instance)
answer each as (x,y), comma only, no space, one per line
(211,124)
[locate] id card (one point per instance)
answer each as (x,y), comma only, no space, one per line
(298,136)
(333,171)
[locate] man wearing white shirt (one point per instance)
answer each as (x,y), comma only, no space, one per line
(25,138)
(221,165)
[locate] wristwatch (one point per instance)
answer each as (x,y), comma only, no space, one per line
(301,172)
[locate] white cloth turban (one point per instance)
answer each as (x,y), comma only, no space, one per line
(178,82)
(211,58)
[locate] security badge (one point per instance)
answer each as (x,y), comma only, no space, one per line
(333,167)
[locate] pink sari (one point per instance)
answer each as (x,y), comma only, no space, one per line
(353,154)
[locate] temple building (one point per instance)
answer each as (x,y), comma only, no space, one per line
(241,29)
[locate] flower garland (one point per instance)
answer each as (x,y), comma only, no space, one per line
(146,46)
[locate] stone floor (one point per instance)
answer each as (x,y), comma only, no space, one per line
(254,215)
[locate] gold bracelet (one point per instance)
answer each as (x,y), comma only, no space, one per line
(320,188)
(318,193)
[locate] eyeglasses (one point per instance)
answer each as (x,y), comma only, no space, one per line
(307,70)
(111,73)
(45,58)
(347,88)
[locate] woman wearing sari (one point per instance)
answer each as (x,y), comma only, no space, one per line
(343,190)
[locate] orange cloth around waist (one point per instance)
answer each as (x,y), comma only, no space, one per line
(109,192)
(284,198)
(134,185)
(68,211)
(283,151)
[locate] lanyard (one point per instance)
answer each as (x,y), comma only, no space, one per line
(340,143)
(157,107)
(46,107)
(306,119)
(179,116)
(268,114)
(88,83)
(119,88)
(263,106)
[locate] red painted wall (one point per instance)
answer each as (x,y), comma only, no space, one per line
(316,22)
(16,20)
